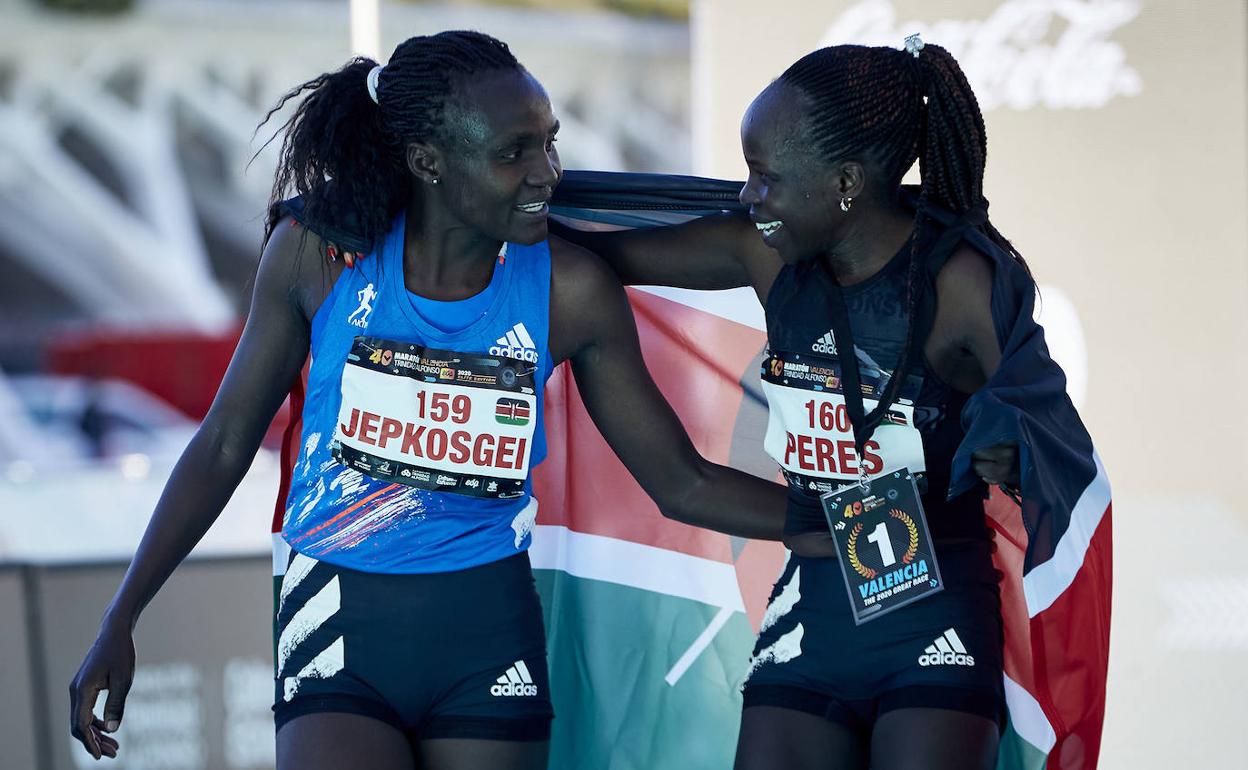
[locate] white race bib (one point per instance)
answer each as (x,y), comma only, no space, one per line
(437,419)
(810,436)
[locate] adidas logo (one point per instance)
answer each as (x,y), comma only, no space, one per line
(825,344)
(516,344)
(947,650)
(515,682)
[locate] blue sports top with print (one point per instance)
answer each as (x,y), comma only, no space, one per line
(423,419)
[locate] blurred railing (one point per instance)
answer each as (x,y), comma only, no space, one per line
(126,194)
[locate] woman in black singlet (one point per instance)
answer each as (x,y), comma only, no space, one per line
(827,145)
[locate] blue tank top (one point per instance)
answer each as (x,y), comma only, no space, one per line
(423,419)
(808,430)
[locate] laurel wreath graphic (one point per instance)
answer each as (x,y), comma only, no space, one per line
(913,547)
(851,545)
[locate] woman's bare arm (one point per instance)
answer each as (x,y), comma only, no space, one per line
(269,356)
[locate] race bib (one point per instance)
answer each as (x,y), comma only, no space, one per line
(437,419)
(809,433)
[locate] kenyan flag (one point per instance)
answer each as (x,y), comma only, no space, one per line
(648,621)
(511,411)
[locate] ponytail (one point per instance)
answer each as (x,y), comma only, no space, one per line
(892,107)
(953,145)
(344,149)
(338,156)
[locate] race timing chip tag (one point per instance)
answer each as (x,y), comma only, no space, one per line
(883,544)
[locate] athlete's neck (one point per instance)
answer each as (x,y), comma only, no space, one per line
(875,236)
(443,259)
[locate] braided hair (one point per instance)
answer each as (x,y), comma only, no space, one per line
(890,107)
(345,153)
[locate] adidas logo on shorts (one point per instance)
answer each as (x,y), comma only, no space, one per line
(947,650)
(516,344)
(516,681)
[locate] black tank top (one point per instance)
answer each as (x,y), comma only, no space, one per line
(809,433)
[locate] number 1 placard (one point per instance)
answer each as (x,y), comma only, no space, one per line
(883,544)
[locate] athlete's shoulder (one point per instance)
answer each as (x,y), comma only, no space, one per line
(578,271)
(968,271)
(587,301)
(964,292)
(300,258)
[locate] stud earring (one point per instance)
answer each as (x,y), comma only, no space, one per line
(435,180)
(846,202)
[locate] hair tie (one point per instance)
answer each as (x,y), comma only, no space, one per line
(373,75)
(914,44)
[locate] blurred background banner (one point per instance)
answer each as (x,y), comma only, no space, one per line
(130,220)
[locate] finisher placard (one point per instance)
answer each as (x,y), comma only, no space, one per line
(437,419)
(883,545)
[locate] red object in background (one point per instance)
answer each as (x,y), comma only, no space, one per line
(581,471)
(183,369)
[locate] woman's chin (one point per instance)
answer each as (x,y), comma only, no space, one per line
(530,234)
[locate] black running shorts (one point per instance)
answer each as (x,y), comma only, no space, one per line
(446,655)
(944,651)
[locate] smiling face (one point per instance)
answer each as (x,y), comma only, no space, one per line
(499,164)
(793,195)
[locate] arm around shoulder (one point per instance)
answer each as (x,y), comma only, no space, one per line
(593,327)
(721,251)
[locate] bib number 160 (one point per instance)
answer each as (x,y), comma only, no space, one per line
(825,415)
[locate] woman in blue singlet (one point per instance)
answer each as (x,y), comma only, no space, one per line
(409,632)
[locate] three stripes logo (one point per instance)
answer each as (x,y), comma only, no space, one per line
(297,631)
(512,411)
(825,344)
(516,682)
(947,650)
(516,344)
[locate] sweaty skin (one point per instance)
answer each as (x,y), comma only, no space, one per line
(463,221)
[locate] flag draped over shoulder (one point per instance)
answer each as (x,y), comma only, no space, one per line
(1057,555)
(649,622)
